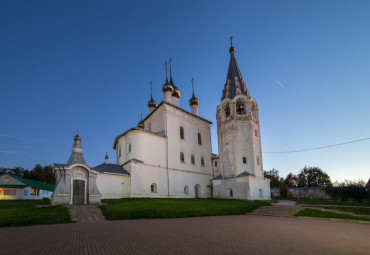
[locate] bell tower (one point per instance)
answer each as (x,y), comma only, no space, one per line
(239,140)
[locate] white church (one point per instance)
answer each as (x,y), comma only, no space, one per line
(169,155)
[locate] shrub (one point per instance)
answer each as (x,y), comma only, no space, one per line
(349,190)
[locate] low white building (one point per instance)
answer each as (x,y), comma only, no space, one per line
(14,187)
(169,153)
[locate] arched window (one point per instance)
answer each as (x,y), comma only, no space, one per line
(258,160)
(193,159)
(197,191)
(182,132)
(215,163)
(182,157)
(244,160)
(231,193)
(186,190)
(153,188)
(240,106)
(227,111)
(261,193)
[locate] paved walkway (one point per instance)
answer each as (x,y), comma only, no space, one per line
(244,234)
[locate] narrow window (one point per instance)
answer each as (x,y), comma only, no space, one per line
(199,139)
(240,107)
(186,190)
(150,126)
(193,159)
(255,132)
(244,160)
(258,160)
(215,163)
(153,188)
(129,147)
(182,157)
(231,193)
(119,152)
(227,111)
(38,192)
(202,161)
(181,132)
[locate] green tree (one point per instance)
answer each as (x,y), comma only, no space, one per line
(291,180)
(313,177)
(273,175)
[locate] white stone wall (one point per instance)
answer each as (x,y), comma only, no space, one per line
(258,187)
(238,137)
(113,186)
(145,146)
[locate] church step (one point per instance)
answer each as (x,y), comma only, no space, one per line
(283,211)
(82,213)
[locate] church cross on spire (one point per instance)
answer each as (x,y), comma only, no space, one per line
(231,41)
(192,84)
(165,64)
(170,61)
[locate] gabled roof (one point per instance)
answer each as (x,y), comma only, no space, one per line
(31,183)
(244,174)
(111,168)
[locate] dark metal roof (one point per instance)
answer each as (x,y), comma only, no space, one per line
(219,177)
(231,74)
(76,158)
(244,174)
(111,168)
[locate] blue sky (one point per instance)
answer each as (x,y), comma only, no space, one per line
(87,65)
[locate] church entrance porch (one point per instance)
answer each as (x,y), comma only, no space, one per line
(78,192)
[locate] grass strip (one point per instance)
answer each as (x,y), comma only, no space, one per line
(356,210)
(330,202)
(154,208)
(24,213)
(323,214)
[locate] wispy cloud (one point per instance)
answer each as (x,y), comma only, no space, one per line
(8,152)
(280,84)
(28,139)
(16,146)
(14,152)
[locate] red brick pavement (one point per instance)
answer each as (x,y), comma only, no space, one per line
(244,234)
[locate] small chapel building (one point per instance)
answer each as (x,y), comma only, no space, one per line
(169,153)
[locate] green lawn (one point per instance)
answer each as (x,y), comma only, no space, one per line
(150,208)
(24,212)
(356,210)
(322,214)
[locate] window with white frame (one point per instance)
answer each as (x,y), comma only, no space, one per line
(192,159)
